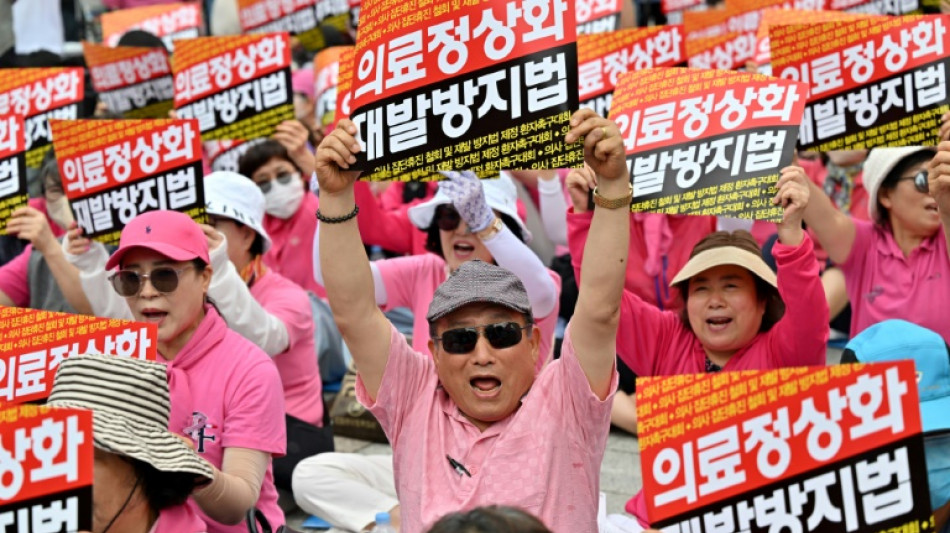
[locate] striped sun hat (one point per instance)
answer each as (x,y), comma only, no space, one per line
(130,408)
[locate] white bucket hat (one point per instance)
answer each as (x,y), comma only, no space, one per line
(231,195)
(130,407)
(880,163)
(501,195)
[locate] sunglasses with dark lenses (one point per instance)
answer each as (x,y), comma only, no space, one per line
(129,282)
(447,218)
(920,181)
(283,178)
(463,340)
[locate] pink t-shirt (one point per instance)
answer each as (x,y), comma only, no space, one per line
(298,364)
(390,229)
(884,284)
(411,282)
(291,251)
(544,458)
(179,519)
(226,393)
(15,274)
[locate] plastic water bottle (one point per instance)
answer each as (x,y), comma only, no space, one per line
(383,524)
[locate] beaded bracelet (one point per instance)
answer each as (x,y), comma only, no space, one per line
(338,220)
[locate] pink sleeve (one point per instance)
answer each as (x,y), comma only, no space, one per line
(799,338)
(399,277)
(255,411)
(854,265)
(407,377)
(572,390)
(390,229)
(15,278)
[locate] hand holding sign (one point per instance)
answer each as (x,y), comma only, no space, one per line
(603,147)
(793,197)
(334,156)
(31,225)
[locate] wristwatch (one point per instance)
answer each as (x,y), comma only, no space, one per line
(614,203)
(491,230)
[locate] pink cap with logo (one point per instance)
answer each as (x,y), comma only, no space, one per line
(170,233)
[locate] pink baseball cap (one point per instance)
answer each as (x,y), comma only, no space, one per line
(170,233)
(303,81)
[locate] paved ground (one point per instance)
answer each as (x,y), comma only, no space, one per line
(619,474)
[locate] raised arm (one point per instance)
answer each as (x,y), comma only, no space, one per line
(343,262)
(939,183)
(90,258)
(593,328)
(834,230)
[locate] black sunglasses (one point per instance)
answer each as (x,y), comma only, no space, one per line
(128,283)
(920,181)
(463,340)
(447,218)
(283,178)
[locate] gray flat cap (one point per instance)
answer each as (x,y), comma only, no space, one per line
(479,282)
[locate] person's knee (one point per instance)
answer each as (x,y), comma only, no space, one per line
(317,470)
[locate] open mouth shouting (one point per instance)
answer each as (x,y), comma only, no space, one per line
(485,387)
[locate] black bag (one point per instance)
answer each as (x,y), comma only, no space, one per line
(303,440)
(257,523)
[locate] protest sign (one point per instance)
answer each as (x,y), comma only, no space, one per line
(112,170)
(237,87)
(822,449)
(224,155)
(344,87)
(876,7)
(873,82)
(597,16)
(306,20)
(172,21)
(39,94)
(675,9)
(707,142)
(775,17)
(484,86)
(47,462)
(13,194)
(603,57)
(326,68)
(134,82)
(33,343)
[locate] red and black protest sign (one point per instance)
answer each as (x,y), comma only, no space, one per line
(823,449)
(344,87)
(326,67)
(46,458)
(597,16)
(484,86)
(707,142)
(179,20)
(33,343)
(307,20)
(113,170)
(603,57)
(225,155)
(134,82)
(876,7)
(13,193)
(873,82)
(238,88)
(775,17)
(39,94)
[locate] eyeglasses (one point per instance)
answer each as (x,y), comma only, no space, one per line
(129,282)
(920,181)
(463,340)
(283,178)
(447,218)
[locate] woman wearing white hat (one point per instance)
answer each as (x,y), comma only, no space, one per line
(143,474)
(897,264)
(257,302)
(467,219)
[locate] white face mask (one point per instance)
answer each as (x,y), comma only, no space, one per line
(283,199)
(59,212)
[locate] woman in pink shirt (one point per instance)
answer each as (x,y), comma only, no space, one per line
(738,314)
(464,202)
(226,392)
(896,265)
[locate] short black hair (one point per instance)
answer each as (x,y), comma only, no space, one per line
(258,155)
(164,489)
(141,39)
(890,180)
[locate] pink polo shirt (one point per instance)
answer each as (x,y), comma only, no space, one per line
(411,282)
(179,519)
(298,364)
(884,284)
(291,251)
(226,393)
(544,458)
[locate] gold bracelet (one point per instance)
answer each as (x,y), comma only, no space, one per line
(614,203)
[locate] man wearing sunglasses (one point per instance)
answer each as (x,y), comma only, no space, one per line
(476,424)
